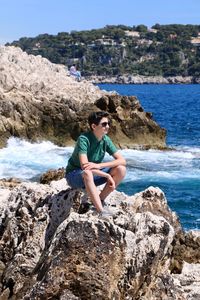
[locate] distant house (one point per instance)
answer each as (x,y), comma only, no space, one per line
(144,42)
(152,30)
(106,42)
(173,36)
(132,33)
(147,57)
(195,41)
(36,47)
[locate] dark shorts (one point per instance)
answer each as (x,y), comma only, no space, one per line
(75,179)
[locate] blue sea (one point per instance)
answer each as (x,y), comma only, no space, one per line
(176,172)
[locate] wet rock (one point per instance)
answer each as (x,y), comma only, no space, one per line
(51,175)
(9,182)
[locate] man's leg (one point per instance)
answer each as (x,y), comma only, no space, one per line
(92,189)
(104,213)
(117,174)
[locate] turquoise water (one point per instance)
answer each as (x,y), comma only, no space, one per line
(177,109)
(177,172)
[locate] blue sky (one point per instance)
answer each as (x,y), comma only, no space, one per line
(28,18)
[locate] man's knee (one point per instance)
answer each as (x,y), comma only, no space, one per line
(122,170)
(87,175)
(119,171)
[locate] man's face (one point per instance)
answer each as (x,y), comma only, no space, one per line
(102,128)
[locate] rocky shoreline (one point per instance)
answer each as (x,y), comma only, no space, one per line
(49,251)
(139,79)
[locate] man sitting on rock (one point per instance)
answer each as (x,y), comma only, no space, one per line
(85,169)
(75,73)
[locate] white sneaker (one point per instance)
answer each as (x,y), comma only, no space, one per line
(106,214)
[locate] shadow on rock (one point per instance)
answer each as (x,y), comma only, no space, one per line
(60,206)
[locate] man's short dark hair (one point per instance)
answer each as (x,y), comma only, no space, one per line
(95,117)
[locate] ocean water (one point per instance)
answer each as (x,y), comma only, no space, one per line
(176,172)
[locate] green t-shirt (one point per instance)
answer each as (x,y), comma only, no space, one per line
(87,143)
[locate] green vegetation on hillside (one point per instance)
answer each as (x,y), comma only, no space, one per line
(167,50)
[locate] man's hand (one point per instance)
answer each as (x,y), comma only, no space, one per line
(111,182)
(90,165)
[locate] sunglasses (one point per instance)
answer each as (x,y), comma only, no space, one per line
(104,124)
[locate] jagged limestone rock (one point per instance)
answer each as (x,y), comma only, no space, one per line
(50,251)
(40,101)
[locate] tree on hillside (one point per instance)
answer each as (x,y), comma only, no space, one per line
(118,49)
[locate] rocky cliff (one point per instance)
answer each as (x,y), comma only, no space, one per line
(39,100)
(49,251)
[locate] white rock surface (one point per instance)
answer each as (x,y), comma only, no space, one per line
(22,74)
(81,255)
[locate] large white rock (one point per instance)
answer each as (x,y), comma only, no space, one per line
(35,77)
(49,251)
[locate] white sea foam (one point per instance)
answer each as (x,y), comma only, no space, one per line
(158,165)
(28,160)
